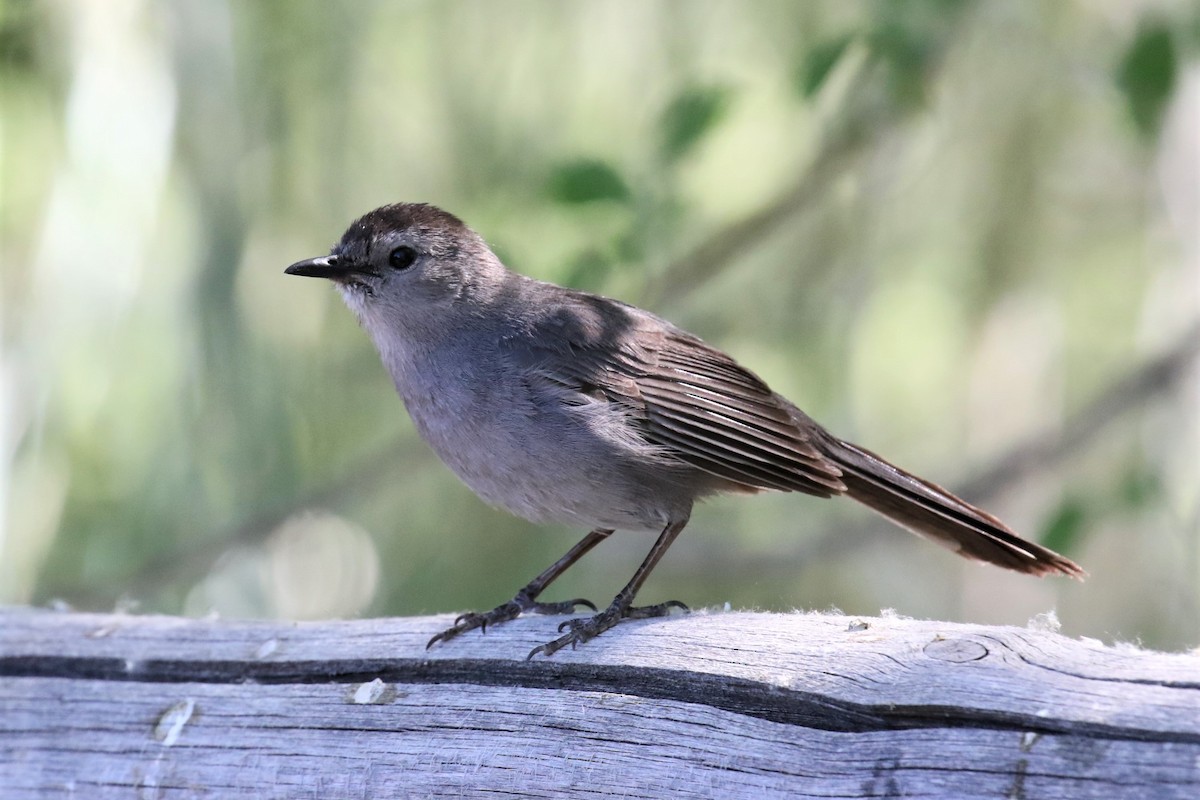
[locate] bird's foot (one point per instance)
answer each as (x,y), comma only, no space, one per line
(581,630)
(514,608)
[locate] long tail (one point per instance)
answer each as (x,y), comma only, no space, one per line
(930,511)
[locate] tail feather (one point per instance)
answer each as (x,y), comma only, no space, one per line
(934,513)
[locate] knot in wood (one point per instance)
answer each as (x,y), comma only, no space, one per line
(956,651)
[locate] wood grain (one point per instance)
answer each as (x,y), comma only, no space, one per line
(703,705)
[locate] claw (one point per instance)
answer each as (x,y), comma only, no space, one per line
(660,610)
(564,607)
(581,601)
(579,631)
(520,604)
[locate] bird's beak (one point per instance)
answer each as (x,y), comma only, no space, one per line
(324,267)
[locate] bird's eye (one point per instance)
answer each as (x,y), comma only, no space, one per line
(402,257)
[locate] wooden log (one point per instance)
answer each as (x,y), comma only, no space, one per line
(703,705)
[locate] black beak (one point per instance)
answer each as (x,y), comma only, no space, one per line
(324,267)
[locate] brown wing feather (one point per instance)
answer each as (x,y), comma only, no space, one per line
(723,419)
(686,396)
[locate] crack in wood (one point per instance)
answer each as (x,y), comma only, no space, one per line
(736,695)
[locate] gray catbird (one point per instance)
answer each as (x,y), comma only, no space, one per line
(559,405)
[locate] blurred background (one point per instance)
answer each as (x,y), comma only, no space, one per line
(963,234)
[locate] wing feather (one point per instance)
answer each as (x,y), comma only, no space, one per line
(684,395)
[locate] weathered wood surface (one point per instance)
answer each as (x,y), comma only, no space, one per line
(705,705)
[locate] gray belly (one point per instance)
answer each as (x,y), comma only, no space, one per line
(578,465)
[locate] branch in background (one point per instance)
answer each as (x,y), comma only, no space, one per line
(864,120)
(1157,376)
(879,94)
(705,261)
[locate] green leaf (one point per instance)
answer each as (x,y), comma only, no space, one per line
(1147,76)
(819,63)
(1062,530)
(586,181)
(691,115)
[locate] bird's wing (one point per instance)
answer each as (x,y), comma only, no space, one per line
(682,394)
(707,410)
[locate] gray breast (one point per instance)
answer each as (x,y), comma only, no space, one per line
(547,454)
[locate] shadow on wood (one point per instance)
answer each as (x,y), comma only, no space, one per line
(703,705)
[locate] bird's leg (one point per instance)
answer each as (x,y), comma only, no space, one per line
(621,608)
(526,599)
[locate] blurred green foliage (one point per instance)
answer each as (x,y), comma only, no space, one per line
(586,181)
(819,62)
(1147,75)
(1064,529)
(689,116)
(930,223)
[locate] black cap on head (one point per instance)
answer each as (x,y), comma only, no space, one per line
(402,216)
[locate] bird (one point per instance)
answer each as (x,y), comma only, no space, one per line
(560,405)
